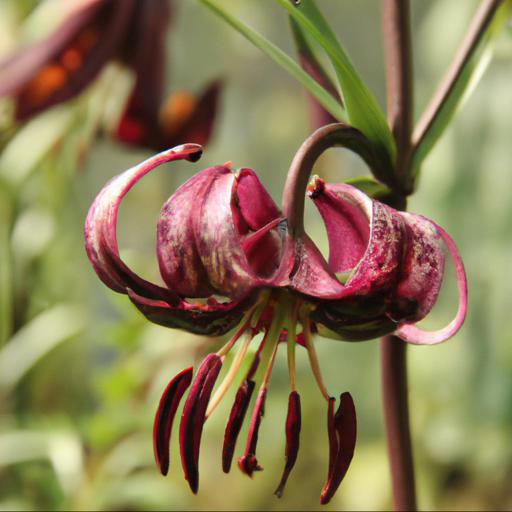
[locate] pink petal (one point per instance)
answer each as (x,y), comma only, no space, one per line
(422,270)
(413,334)
(178,258)
(212,319)
(100,226)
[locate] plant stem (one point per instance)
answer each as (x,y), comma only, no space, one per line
(479,25)
(396,419)
(397,47)
(397,52)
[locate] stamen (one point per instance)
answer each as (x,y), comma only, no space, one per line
(342,428)
(245,323)
(233,370)
(292,329)
(293,424)
(313,359)
(248,463)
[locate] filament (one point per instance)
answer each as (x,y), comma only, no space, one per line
(313,359)
(233,370)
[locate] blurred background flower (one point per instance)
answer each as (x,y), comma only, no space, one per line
(81,371)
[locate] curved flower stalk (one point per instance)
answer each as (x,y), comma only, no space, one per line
(91,34)
(229,257)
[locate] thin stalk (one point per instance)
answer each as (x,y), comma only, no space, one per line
(396,419)
(479,25)
(398,58)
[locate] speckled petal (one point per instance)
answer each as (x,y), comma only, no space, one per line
(100,227)
(409,332)
(212,319)
(220,230)
(178,258)
(421,272)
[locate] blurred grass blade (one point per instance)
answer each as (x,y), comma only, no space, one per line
(36,339)
(6,271)
(282,59)
(362,108)
(369,186)
(63,450)
(461,79)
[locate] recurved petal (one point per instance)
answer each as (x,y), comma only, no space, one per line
(100,226)
(421,271)
(376,271)
(212,319)
(220,244)
(165,416)
(192,420)
(184,117)
(178,258)
(409,332)
(60,66)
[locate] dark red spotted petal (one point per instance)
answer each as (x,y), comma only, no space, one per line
(193,417)
(165,416)
(248,463)
(293,424)
(412,334)
(422,270)
(235,422)
(377,268)
(194,124)
(212,319)
(63,64)
(100,226)
(342,440)
(180,265)
(219,242)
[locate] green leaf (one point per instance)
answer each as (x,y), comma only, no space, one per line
(369,186)
(362,108)
(282,59)
(36,339)
(462,88)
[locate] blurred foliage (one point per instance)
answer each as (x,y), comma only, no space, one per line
(81,371)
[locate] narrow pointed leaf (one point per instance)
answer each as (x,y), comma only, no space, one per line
(282,59)
(472,65)
(362,108)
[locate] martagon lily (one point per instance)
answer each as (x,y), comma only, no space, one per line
(91,34)
(231,259)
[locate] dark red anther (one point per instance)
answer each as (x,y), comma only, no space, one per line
(343,427)
(248,463)
(293,423)
(235,421)
(193,417)
(164,417)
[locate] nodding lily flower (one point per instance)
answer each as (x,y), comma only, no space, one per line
(231,259)
(91,34)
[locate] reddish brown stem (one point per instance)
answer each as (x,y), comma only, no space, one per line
(397,47)
(396,418)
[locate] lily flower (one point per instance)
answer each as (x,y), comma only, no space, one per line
(91,34)
(231,259)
